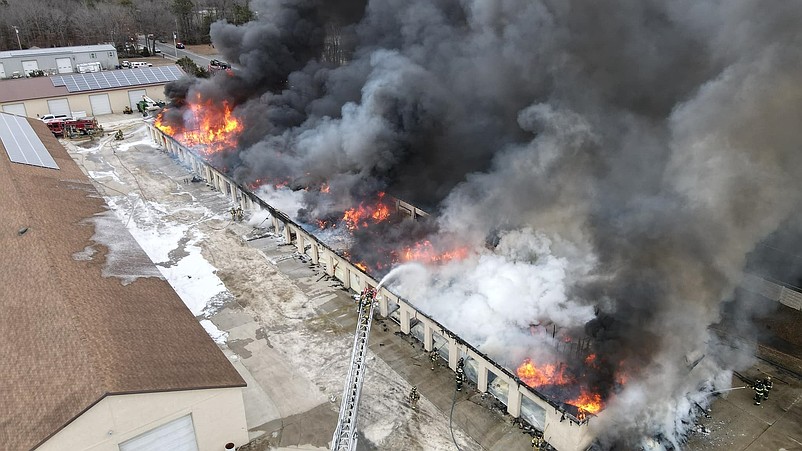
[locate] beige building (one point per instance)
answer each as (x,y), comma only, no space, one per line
(99,352)
(92,94)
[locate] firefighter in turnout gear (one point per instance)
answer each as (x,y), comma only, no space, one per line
(760,391)
(236,213)
(414,396)
(433,357)
(768,385)
(460,374)
(538,442)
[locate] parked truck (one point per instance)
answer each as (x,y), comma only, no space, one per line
(73,128)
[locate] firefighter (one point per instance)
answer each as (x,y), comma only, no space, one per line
(768,385)
(240,214)
(537,442)
(414,396)
(459,378)
(760,391)
(119,135)
(433,357)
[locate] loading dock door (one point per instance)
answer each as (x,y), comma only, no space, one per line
(64,65)
(59,106)
(177,435)
(29,66)
(135,96)
(15,108)
(2,71)
(100,104)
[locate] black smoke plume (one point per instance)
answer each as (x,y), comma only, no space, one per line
(622,157)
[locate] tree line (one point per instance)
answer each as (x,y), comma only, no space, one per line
(49,23)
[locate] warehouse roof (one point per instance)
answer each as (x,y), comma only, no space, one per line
(57,51)
(83,317)
(21,89)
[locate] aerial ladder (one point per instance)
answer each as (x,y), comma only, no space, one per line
(345,435)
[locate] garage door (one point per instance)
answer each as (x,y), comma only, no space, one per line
(15,108)
(29,66)
(58,106)
(135,96)
(177,435)
(64,65)
(100,104)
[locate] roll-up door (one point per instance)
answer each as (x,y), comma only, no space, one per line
(59,106)
(15,108)
(64,65)
(135,96)
(177,435)
(29,66)
(100,104)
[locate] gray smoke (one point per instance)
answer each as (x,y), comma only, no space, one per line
(624,155)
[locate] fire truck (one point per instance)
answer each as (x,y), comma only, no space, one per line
(72,128)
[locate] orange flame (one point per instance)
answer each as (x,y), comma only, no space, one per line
(211,127)
(587,402)
(362,266)
(424,251)
(534,376)
(363,215)
(545,375)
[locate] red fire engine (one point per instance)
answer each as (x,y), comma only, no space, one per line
(72,128)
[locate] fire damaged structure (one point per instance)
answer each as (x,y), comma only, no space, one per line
(566,426)
(597,183)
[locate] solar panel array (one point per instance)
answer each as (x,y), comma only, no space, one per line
(117,78)
(21,143)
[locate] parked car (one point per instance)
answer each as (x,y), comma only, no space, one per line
(157,50)
(125,64)
(179,45)
(137,64)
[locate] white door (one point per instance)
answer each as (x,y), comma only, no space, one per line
(177,435)
(2,71)
(58,106)
(100,104)
(15,108)
(64,65)
(29,66)
(135,96)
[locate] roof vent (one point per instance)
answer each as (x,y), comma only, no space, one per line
(22,231)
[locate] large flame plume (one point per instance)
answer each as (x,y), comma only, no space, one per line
(208,127)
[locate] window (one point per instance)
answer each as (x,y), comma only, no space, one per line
(92,55)
(111,54)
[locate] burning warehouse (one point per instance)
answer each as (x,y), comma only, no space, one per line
(596,173)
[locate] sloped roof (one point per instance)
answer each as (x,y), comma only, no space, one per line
(71,336)
(21,89)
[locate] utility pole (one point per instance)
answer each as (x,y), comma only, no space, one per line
(16,29)
(175,39)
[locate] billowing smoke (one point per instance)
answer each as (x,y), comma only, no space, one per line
(609,163)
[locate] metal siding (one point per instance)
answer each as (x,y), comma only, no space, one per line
(59,106)
(64,65)
(177,435)
(100,104)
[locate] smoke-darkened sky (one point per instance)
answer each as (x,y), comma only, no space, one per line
(626,155)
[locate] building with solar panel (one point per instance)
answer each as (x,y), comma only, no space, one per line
(56,60)
(100,352)
(90,94)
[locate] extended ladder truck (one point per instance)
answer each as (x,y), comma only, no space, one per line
(345,435)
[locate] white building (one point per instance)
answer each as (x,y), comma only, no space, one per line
(56,60)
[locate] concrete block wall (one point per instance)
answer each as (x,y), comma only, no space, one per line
(563,430)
